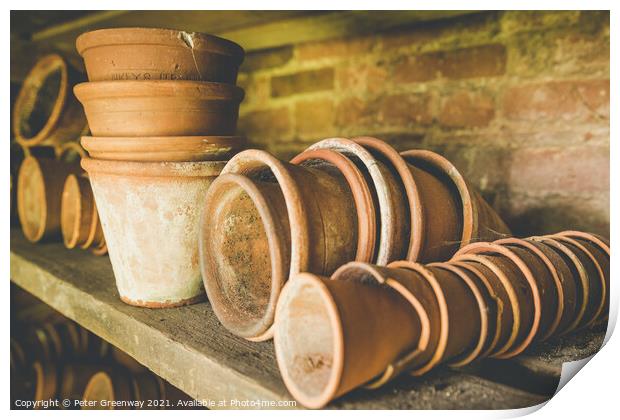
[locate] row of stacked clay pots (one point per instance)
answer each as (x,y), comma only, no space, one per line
(366,324)
(66,362)
(162,107)
(47,119)
(341,200)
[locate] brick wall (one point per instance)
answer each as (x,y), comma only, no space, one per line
(518,100)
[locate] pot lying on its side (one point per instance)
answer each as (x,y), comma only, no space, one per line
(160,108)
(158,54)
(150,215)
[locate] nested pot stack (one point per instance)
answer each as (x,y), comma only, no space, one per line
(341,200)
(162,106)
(366,324)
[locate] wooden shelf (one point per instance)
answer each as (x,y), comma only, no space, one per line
(189,348)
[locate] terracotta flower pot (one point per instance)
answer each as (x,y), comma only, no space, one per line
(150,213)
(435,224)
(418,296)
(589,256)
(327,341)
(455,327)
(46,380)
(160,108)
(73,380)
(322,223)
(245,265)
(547,280)
(392,218)
(163,149)
(339,165)
(39,190)
(579,277)
(45,111)
(158,54)
(109,384)
(480,221)
(480,293)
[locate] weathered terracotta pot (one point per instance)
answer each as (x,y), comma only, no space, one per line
(579,277)
(435,223)
(73,381)
(480,221)
(547,280)
(150,216)
(457,329)
(339,165)
(163,149)
(418,297)
(480,293)
(597,278)
(158,54)
(392,218)
(597,240)
(39,190)
(327,340)
(160,108)
(79,220)
(45,111)
(109,384)
(46,380)
(511,262)
(321,220)
(245,265)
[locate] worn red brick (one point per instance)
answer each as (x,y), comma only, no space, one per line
(362,77)
(392,110)
(314,117)
(269,125)
(480,61)
(335,48)
(558,99)
(467,109)
(302,82)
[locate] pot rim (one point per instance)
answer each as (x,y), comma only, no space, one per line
(466,358)
(598,268)
(41,69)
(595,239)
(95,222)
(157,36)
(554,274)
(366,228)
(250,160)
(138,144)
(481,247)
(262,328)
(335,321)
(71,241)
(384,246)
(583,277)
(153,169)
(400,364)
(444,321)
(470,217)
(416,213)
(187,89)
(31,233)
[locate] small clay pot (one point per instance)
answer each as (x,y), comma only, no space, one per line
(548,282)
(418,297)
(109,384)
(511,262)
(245,265)
(158,54)
(327,340)
(392,217)
(160,108)
(46,380)
(73,380)
(579,277)
(150,217)
(338,164)
(159,149)
(77,210)
(39,190)
(482,296)
(458,327)
(46,112)
(480,221)
(589,256)
(322,221)
(597,240)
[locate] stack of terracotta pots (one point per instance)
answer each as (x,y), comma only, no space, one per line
(366,324)
(162,107)
(265,220)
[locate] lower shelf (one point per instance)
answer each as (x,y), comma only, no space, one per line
(189,348)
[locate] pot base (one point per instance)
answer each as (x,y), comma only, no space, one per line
(165,304)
